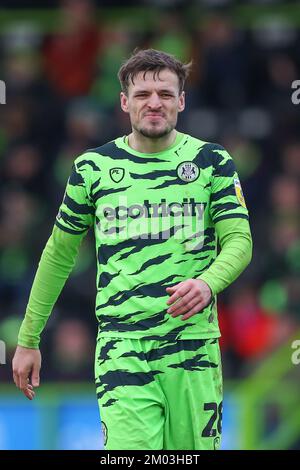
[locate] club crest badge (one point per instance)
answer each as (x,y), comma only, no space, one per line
(188,171)
(117,174)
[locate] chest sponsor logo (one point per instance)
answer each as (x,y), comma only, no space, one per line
(182,220)
(117,174)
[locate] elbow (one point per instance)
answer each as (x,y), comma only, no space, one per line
(248,251)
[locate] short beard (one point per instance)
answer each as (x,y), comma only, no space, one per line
(155,134)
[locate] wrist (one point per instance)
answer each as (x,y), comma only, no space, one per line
(208,282)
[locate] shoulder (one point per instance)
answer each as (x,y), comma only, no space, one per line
(91,158)
(106,149)
(99,157)
(207,154)
(205,147)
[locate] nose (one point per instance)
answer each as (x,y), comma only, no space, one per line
(154,101)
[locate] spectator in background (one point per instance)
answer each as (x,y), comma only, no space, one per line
(72,351)
(70,55)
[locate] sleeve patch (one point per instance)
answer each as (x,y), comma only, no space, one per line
(239,192)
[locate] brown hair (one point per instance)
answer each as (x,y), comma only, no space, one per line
(151,60)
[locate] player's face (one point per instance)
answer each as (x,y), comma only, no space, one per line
(153,103)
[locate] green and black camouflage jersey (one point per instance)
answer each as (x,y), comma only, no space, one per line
(154,219)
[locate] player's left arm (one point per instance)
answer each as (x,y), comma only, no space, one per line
(230,217)
(236,252)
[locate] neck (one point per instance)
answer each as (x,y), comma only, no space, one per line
(143,144)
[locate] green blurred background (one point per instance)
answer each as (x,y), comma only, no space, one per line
(59,63)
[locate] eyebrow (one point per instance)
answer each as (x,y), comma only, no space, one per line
(163,90)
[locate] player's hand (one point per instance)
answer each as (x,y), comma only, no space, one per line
(26,366)
(188,297)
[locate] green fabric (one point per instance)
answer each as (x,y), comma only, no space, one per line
(156,219)
(178,139)
(235,255)
(157,395)
(56,263)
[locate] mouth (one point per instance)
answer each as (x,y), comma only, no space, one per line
(154,116)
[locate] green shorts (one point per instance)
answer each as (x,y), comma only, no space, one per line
(157,395)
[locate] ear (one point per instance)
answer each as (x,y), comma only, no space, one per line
(181,102)
(124,102)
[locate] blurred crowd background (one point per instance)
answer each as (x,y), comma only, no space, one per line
(62,97)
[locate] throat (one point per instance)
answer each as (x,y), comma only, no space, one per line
(144,144)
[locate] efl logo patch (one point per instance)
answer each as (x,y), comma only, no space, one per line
(104,432)
(117,174)
(188,171)
(239,192)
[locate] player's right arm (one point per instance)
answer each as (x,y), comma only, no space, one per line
(75,216)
